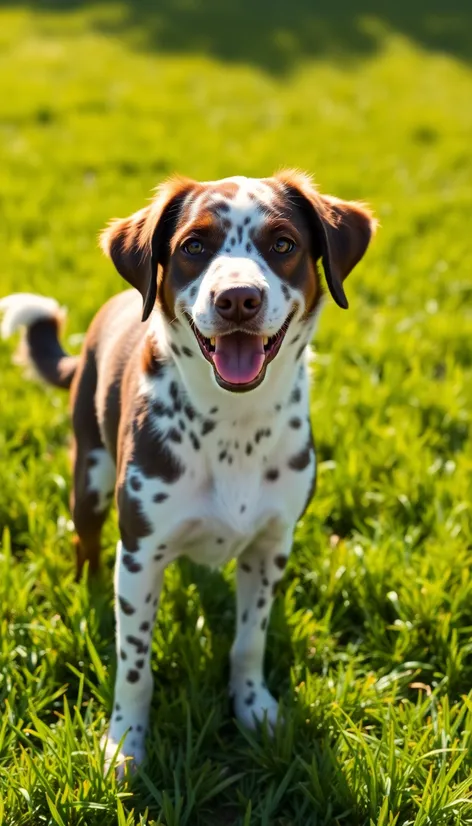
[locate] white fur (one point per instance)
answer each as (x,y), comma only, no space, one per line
(224,505)
(25,309)
(101,477)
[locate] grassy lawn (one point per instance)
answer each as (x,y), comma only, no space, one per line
(370,639)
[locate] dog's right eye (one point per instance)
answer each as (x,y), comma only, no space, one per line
(193,247)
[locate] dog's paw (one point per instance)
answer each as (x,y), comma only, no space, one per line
(125,757)
(254,704)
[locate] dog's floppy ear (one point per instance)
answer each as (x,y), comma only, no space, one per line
(138,245)
(341,230)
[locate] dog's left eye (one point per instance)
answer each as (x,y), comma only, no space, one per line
(193,247)
(283,246)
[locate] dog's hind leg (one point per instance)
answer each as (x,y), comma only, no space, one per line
(94,469)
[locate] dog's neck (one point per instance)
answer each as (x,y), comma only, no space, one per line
(284,375)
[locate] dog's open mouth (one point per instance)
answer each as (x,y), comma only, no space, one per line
(239,359)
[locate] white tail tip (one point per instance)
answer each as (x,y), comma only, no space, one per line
(25,309)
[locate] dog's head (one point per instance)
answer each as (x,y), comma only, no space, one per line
(236,261)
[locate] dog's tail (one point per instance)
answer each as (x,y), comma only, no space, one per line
(42,318)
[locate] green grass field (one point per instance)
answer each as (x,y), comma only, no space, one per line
(370,644)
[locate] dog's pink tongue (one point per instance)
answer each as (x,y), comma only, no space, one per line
(239,357)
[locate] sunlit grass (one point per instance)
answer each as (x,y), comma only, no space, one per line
(370,639)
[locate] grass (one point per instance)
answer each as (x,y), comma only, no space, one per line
(370,640)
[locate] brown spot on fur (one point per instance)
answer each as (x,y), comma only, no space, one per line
(150,364)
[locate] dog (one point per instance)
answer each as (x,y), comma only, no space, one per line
(190,402)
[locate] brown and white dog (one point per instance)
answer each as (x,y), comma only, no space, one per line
(198,417)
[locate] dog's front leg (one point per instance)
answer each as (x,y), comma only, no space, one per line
(259,570)
(138,582)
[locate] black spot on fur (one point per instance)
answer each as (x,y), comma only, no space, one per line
(239,230)
(161,547)
(244,616)
(193,292)
(117,707)
(280,561)
(187,352)
(278,408)
(131,565)
(250,699)
(295,339)
(248,247)
(250,683)
(132,676)
(160,497)
(138,644)
(189,412)
(92,460)
(213,410)
(126,607)
(260,603)
(222,455)
(242,508)
(272,474)
(118,718)
(157,557)
(194,440)
(174,435)
(301,460)
(123,655)
(295,422)
(265,582)
(300,352)
(148,598)
(264,624)
(220,540)
(285,292)
(139,663)
(208,426)
(296,395)
(145,626)
(160,409)
(248,449)
(174,348)
(135,483)
(245,567)
(182,425)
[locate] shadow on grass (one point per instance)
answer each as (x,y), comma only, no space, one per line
(275,34)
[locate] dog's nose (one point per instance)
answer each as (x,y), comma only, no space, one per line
(239,303)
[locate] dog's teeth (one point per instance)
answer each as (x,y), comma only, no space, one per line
(266,341)
(213,342)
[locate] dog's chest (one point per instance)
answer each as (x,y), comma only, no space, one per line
(208,484)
